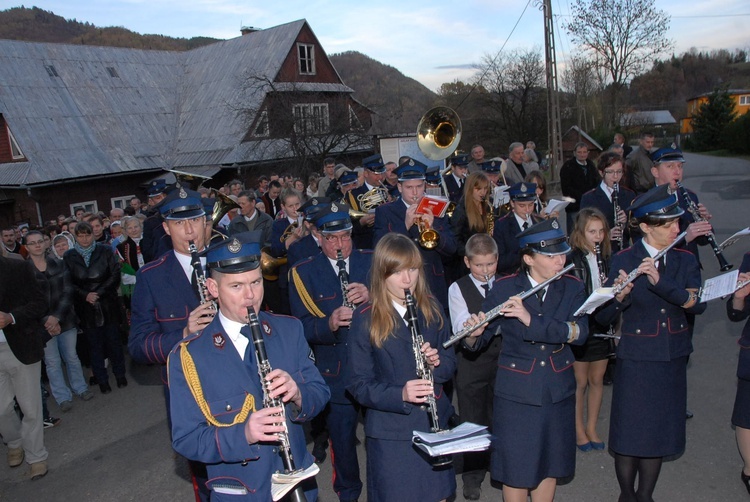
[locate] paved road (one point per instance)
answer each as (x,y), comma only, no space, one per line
(116,447)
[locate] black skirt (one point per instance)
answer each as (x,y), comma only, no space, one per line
(595,349)
(741,412)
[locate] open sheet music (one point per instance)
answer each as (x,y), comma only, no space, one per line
(734,238)
(465,437)
(599,297)
(556,205)
(281,484)
(721,285)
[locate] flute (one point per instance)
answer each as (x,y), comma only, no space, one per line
(264,368)
(496,312)
(617,288)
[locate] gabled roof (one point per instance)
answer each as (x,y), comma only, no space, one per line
(731,92)
(578,131)
(81,111)
(656,117)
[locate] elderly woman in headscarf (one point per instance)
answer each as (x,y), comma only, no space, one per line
(130,256)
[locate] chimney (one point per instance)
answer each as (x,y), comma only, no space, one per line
(246,30)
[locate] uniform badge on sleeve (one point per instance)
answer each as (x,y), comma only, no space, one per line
(266,327)
(219,341)
(311,355)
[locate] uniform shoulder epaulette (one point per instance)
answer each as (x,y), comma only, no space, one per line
(569,276)
(157,262)
(303,261)
(681,250)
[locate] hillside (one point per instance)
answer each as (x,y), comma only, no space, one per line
(397,100)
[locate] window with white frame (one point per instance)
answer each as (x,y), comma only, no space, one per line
(311,118)
(121,202)
(745,100)
(15,150)
(306,58)
(89,206)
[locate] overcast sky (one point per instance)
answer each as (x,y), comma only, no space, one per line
(433,42)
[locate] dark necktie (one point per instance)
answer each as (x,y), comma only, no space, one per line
(460,183)
(662,265)
(525,225)
(540,296)
(486,288)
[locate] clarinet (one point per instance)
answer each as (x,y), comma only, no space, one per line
(600,263)
(344,280)
(692,208)
(200,277)
(264,368)
(616,208)
(423,370)
(617,289)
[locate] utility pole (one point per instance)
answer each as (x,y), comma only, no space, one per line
(554,134)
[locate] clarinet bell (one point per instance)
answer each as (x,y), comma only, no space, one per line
(441,460)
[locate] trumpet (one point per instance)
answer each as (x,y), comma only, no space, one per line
(497,311)
(428,237)
(692,207)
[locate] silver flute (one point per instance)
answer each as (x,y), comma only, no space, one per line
(496,312)
(200,277)
(617,288)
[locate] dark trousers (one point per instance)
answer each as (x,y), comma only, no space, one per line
(100,337)
(475,386)
(342,427)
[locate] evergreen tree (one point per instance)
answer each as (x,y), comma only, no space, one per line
(711,121)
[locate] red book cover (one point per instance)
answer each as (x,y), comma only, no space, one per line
(433,204)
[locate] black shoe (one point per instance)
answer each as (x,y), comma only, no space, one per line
(105,388)
(607,381)
(122,382)
(92,380)
(472,492)
(319,452)
(688,414)
(745,480)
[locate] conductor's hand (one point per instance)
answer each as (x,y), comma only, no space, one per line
(416,391)
(697,229)
(282,386)
(358,293)
(514,308)
(430,355)
(626,290)
(199,319)
(263,425)
(648,268)
(342,316)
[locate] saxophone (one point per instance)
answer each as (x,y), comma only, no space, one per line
(490,218)
(344,280)
(423,371)
(200,277)
(264,368)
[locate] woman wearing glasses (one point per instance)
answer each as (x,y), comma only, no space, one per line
(604,196)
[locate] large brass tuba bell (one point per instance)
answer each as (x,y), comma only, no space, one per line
(438,133)
(222,206)
(269,266)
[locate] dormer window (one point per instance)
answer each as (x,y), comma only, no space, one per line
(15,151)
(306,57)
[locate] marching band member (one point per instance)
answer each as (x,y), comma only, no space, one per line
(384,376)
(590,233)
(507,228)
(374,173)
(316,297)
(218,416)
(534,405)
(400,216)
(738,309)
(278,294)
(475,375)
(647,421)
(457,178)
(309,244)
(473,211)
(603,198)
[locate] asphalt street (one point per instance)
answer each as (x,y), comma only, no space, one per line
(116,447)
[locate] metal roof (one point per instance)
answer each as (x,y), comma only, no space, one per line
(655,117)
(78,111)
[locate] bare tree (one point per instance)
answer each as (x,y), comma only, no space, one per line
(625,35)
(582,80)
(515,102)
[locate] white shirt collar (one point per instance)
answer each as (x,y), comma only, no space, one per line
(607,190)
(522,221)
(400,309)
(185,262)
(251,218)
(479,283)
(233,328)
(336,267)
(651,250)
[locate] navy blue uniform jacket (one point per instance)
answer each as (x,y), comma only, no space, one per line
(454,192)
(379,375)
(161,303)
(225,380)
(504,233)
(391,218)
(536,361)
(314,293)
(303,248)
(654,326)
(743,365)
(598,199)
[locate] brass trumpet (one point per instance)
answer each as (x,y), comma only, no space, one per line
(429,238)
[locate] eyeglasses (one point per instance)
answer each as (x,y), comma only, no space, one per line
(613,172)
(340,238)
